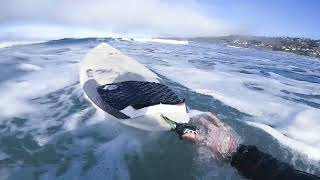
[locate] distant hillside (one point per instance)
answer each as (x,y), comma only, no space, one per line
(301,46)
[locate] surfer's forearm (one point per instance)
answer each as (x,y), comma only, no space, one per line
(254,164)
(247,159)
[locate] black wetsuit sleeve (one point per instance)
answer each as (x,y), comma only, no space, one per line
(256,165)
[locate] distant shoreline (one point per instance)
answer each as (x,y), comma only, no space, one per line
(300,46)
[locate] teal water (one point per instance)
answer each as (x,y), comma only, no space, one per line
(49,131)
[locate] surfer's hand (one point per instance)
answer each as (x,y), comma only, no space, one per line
(213,134)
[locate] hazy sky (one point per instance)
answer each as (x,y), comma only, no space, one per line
(270,17)
(43,19)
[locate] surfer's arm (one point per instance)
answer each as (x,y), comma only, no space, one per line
(254,164)
(248,160)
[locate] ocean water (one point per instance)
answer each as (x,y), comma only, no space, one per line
(49,131)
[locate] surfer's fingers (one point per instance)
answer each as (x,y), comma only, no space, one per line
(197,139)
(207,123)
(215,120)
(190,137)
(195,118)
(206,120)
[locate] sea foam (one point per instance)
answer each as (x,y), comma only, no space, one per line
(157,40)
(295,125)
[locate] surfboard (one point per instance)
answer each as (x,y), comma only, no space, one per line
(128,91)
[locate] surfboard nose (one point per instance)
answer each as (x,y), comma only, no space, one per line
(126,89)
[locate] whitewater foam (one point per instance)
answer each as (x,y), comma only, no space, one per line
(15,101)
(5,44)
(3,156)
(309,150)
(157,40)
(298,121)
(29,67)
(305,126)
(111,163)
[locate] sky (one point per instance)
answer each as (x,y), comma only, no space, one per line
(298,18)
(53,19)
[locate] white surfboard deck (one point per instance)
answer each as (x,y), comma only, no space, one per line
(106,65)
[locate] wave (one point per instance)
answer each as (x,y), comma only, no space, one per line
(29,67)
(308,150)
(234,47)
(78,40)
(157,40)
(5,44)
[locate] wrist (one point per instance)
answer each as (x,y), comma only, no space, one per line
(232,158)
